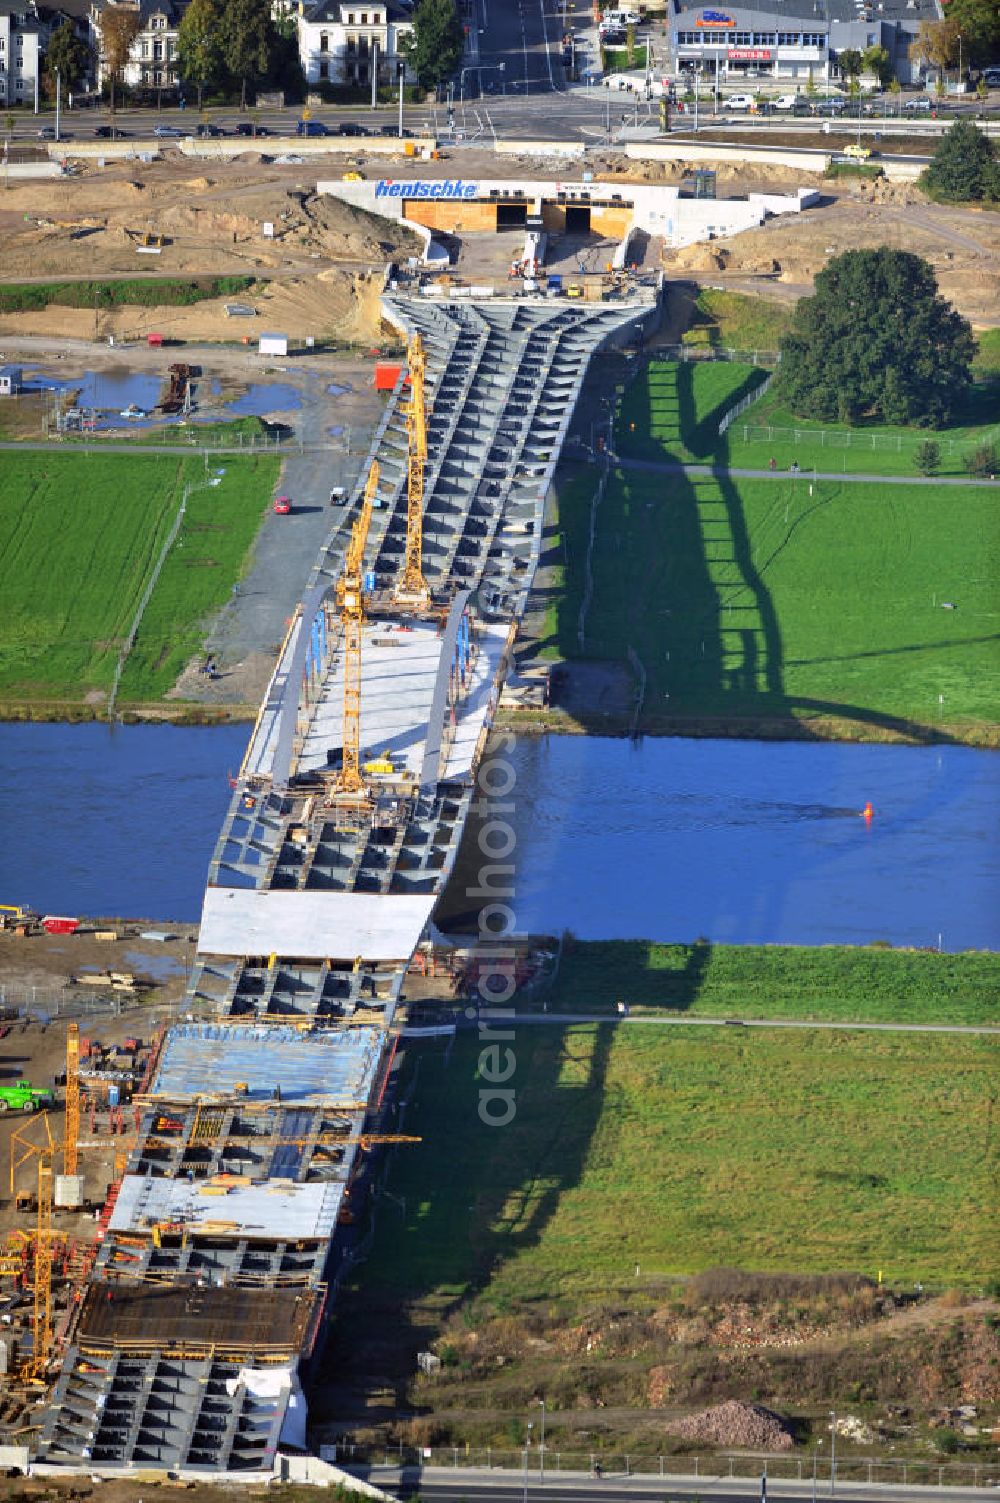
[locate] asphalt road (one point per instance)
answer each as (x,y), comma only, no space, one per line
(472,1484)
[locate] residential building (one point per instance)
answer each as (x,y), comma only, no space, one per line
(342,41)
(153,57)
(23,35)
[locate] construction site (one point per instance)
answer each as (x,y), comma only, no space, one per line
(185,1204)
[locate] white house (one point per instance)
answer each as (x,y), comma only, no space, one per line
(22,42)
(339,40)
(153,56)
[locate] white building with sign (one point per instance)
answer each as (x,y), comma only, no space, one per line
(613,210)
(790,40)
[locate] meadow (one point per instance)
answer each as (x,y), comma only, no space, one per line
(787,600)
(833,983)
(79,537)
(683,1149)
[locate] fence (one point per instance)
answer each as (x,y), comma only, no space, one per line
(745,402)
(873,443)
(687,352)
(40,1005)
(781,1467)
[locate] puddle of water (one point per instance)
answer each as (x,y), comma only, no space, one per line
(107,391)
(275,396)
(215,387)
(336,430)
(334,390)
(159,967)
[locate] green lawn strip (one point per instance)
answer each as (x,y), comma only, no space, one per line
(144,292)
(576,488)
(769,431)
(773,602)
(673,409)
(732,320)
(79,537)
(690,1149)
(197,578)
(835,983)
(988,353)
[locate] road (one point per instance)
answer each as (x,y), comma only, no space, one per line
(483,1016)
(469,1484)
(656,467)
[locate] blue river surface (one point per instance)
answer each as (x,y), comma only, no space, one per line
(739,841)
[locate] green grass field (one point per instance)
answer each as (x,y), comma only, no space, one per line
(835,983)
(673,410)
(758,599)
(694,1148)
(79,536)
(731,320)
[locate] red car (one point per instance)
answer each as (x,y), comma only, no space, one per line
(283,506)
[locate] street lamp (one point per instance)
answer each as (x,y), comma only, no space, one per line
(527,1443)
(816,1452)
(833,1451)
(541,1448)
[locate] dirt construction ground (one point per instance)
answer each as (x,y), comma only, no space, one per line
(321,272)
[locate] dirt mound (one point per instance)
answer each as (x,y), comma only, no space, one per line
(747,1426)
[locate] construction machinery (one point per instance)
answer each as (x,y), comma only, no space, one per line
(412,586)
(351,603)
(22,1096)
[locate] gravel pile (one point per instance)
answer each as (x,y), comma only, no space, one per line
(742,1426)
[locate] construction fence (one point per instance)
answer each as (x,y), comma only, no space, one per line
(840,438)
(776,1466)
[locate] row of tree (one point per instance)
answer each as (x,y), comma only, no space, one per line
(225,45)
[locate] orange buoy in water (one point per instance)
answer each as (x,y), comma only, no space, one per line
(867,813)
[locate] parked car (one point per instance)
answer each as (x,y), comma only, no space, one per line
(785,102)
(920,106)
(831,106)
(283,505)
(168,132)
(209,130)
(739,102)
(247,128)
(350,128)
(992,77)
(110,133)
(311,128)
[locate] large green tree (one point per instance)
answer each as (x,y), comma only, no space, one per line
(434,49)
(876,342)
(199,45)
(964,167)
(978,21)
(68,56)
(250,40)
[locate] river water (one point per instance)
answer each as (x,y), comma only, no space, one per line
(739,841)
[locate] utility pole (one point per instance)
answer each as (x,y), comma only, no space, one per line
(58,99)
(374,75)
(400,75)
(833,1452)
(541,1448)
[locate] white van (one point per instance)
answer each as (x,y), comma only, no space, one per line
(785,102)
(739,102)
(621,18)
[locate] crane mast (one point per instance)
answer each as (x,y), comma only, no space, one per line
(350,601)
(71,1133)
(412,584)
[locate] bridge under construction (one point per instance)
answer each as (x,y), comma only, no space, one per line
(221,1244)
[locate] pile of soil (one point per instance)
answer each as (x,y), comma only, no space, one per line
(743,1426)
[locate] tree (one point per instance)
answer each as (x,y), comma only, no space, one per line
(965,168)
(849,62)
(878,63)
(928,457)
(982,462)
(68,56)
(979,23)
(249,38)
(876,341)
(119,28)
(434,48)
(199,45)
(936,43)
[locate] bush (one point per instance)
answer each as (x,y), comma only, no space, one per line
(982,462)
(965,168)
(146,292)
(927,457)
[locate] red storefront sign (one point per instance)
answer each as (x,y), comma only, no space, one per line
(748,54)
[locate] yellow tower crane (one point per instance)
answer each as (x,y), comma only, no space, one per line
(412,585)
(350,601)
(71,1129)
(41,1325)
